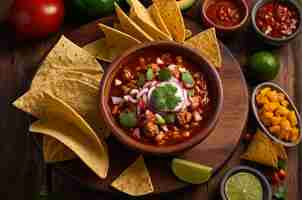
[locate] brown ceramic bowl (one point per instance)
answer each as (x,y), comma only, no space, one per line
(215,91)
(225,29)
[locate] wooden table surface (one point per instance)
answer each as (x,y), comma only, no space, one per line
(22,170)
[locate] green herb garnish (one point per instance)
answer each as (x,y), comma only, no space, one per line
(164,97)
(282,164)
(128,119)
(149,74)
(170,118)
(191,93)
(187,78)
(164,75)
(141,80)
(281,193)
(160,120)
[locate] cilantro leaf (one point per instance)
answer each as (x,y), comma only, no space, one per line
(282,164)
(128,119)
(187,78)
(281,193)
(164,75)
(141,80)
(164,97)
(149,74)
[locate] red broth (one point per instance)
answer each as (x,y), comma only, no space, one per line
(147,129)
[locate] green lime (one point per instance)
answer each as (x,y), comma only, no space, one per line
(263,66)
(243,186)
(191,172)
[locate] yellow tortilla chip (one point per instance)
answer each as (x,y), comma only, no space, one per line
(140,15)
(280,151)
(101,51)
(155,14)
(207,44)
(81,96)
(135,180)
(66,54)
(58,73)
(172,16)
(261,150)
(63,123)
(55,151)
(116,38)
(130,27)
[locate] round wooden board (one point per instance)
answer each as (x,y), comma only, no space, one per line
(214,151)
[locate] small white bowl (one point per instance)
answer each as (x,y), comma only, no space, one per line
(291,106)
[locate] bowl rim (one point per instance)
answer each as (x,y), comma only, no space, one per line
(124,138)
(264,182)
(263,127)
(255,9)
(226,28)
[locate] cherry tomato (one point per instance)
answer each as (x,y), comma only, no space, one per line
(281,174)
(275,178)
(247,137)
(36,18)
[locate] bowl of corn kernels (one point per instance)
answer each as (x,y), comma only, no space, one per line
(277,114)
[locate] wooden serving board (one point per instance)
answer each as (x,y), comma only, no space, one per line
(214,151)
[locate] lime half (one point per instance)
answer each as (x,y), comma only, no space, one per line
(243,186)
(190,172)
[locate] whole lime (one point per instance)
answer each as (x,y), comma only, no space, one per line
(263,66)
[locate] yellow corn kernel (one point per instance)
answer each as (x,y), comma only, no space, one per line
(272,96)
(265,90)
(292,118)
(282,111)
(284,135)
(261,100)
(294,134)
(271,107)
(276,120)
(275,129)
(268,115)
(265,121)
(281,97)
(284,103)
(285,125)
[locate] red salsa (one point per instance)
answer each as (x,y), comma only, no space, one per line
(225,13)
(160,98)
(277,19)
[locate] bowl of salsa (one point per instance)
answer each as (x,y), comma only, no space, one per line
(225,15)
(276,22)
(161,98)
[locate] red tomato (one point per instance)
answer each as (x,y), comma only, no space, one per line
(36,18)
(281,174)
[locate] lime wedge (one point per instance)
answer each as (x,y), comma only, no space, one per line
(190,172)
(243,186)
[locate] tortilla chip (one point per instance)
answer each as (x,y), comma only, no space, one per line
(101,51)
(140,15)
(261,150)
(58,73)
(135,180)
(280,151)
(68,55)
(81,96)
(207,44)
(55,151)
(118,39)
(172,16)
(188,33)
(155,14)
(130,27)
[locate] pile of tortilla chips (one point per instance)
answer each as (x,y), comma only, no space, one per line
(163,20)
(64,92)
(264,151)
